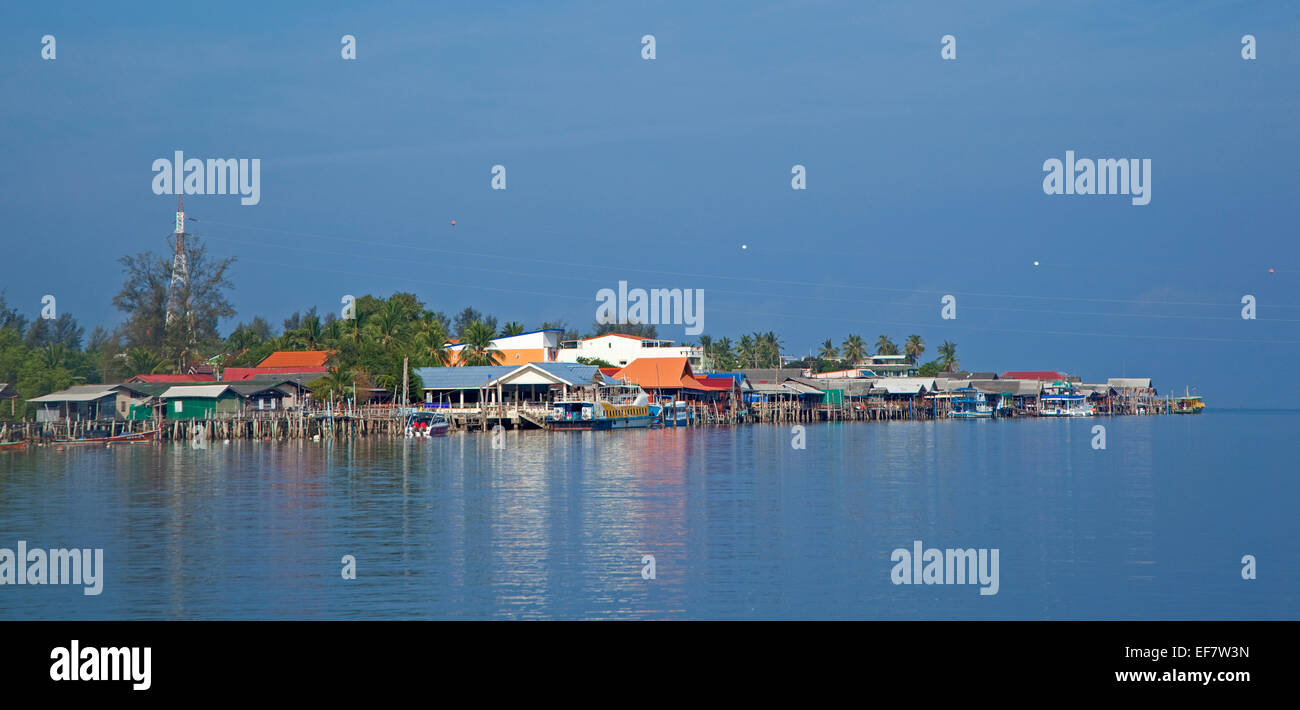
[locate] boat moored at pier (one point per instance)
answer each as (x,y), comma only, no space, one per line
(970,404)
(1063,399)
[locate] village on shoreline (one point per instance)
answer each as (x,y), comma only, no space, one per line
(640,381)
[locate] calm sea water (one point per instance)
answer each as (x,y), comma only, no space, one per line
(741,525)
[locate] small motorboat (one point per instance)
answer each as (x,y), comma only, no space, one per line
(422,425)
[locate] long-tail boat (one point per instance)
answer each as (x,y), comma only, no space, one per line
(142,437)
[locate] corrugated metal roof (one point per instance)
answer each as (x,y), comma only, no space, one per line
(461,378)
(194,392)
(1129,383)
(1033,375)
(572,373)
(78,393)
(156,379)
(904,385)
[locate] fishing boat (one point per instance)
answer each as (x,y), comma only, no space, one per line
(675,413)
(616,407)
(1063,399)
(422,425)
(971,404)
(12,445)
(1188,404)
(142,437)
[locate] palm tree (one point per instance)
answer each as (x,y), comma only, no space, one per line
(948,356)
(142,361)
(430,342)
(387,325)
(334,383)
(310,334)
(723,357)
(854,349)
(478,349)
(512,328)
(706,347)
(430,349)
(746,352)
(828,351)
(885,346)
(914,347)
(771,349)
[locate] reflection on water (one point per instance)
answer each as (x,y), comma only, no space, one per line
(741,524)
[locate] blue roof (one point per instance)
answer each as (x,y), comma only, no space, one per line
(473,377)
(568,371)
(456,378)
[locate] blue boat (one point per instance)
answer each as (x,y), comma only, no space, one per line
(616,407)
(1063,399)
(971,404)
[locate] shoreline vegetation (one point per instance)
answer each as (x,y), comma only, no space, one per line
(374,354)
(42,355)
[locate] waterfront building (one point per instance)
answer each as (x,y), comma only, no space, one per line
(621,350)
(534,346)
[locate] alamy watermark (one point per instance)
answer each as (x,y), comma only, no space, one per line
(1104,176)
(129,663)
(53,566)
(659,306)
(950,566)
(218,176)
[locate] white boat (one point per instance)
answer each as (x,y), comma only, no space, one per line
(972,404)
(1063,399)
(675,413)
(422,425)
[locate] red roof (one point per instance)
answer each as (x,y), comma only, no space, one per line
(299,359)
(609,371)
(173,378)
(723,384)
(1033,375)
(235,374)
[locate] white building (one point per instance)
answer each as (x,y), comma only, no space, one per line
(535,346)
(619,350)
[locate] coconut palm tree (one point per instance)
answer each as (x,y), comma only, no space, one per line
(914,348)
(706,348)
(512,328)
(429,348)
(142,361)
(309,335)
(388,325)
(828,351)
(771,349)
(477,338)
(746,352)
(948,356)
(723,357)
(885,346)
(854,349)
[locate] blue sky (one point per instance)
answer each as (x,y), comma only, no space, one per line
(924,175)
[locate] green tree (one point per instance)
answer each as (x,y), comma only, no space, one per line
(512,328)
(948,356)
(885,346)
(828,351)
(478,349)
(914,347)
(854,349)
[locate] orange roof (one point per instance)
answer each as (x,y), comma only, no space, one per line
(660,373)
(303,358)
